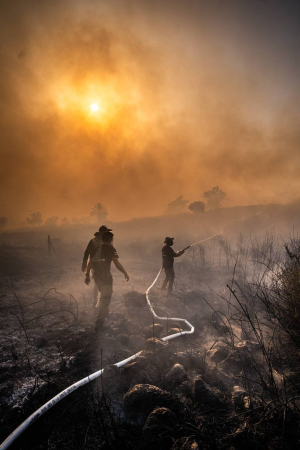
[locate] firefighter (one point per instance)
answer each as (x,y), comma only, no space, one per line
(90,256)
(168,256)
(102,275)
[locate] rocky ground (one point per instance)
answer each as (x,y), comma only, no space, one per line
(187,393)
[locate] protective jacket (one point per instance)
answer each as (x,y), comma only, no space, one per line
(168,256)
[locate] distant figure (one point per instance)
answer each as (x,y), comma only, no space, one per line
(168,256)
(102,275)
(90,256)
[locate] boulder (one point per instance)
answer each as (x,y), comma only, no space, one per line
(184,391)
(204,394)
(156,329)
(129,370)
(176,375)
(219,353)
(123,326)
(122,339)
(189,361)
(135,299)
(154,344)
(174,330)
(159,428)
(136,342)
(140,401)
(223,379)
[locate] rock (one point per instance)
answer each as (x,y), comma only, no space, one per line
(147,375)
(204,394)
(184,391)
(223,378)
(135,299)
(154,344)
(144,398)
(136,342)
(159,428)
(123,326)
(122,339)
(176,375)
(155,329)
(132,368)
(137,372)
(218,353)
(158,352)
(174,330)
(189,361)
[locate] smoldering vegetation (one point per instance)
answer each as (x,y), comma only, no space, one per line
(233,383)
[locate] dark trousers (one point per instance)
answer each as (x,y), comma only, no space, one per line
(106,290)
(169,280)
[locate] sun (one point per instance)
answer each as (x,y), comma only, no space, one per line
(94,107)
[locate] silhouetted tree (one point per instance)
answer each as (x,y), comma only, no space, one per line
(35,219)
(197,207)
(214,197)
(99,211)
(65,221)
(3,222)
(52,221)
(177,206)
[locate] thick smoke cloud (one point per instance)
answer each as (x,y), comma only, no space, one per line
(191,95)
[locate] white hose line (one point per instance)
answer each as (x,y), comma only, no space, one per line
(38,413)
(21,428)
(174,319)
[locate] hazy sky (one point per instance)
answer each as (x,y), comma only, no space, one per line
(191,94)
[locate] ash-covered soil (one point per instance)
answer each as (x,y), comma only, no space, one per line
(188,393)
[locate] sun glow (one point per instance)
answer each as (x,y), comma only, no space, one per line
(94,107)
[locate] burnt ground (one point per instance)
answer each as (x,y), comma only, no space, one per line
(48,342)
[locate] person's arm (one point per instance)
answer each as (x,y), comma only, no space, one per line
(176,254)
(85,257)
(120,267)
(87,274)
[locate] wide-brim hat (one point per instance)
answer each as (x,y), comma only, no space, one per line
(104,228)
(169,239)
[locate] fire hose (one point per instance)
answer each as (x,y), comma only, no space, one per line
(39,412)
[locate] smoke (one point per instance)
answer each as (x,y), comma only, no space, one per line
(190,96)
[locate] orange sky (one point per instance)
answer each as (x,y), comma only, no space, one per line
(191,95)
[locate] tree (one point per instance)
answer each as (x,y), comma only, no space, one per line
(99,211)
(35,219)
(52,221)
(214,197)
(177,206)
(197,207)
(3,222)
(65,221)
